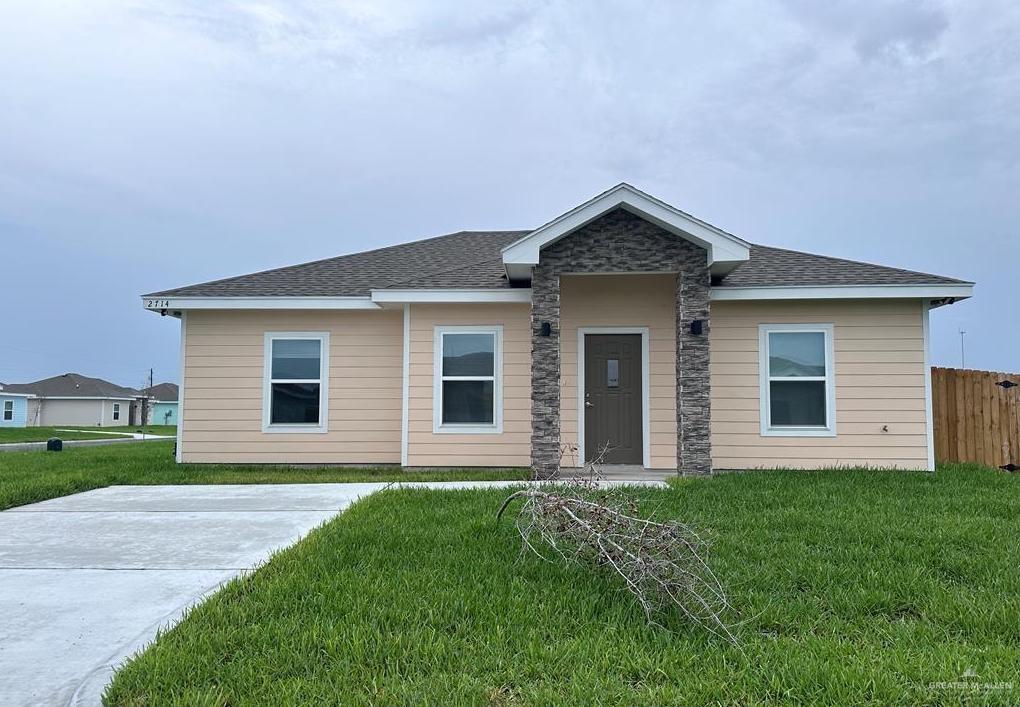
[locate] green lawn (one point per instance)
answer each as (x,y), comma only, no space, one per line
(27,477)
(41,434)
(853,586)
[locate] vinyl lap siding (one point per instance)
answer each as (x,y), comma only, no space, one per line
(159,414)
(223,388)
(20,411)
(89,412)
(879,362)
(511,448)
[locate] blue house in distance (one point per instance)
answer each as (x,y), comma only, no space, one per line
(162,403)
(13,408)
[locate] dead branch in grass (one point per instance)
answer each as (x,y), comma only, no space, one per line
(663,564)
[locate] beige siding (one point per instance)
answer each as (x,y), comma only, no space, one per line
(125,413)
(70,412)
(34,413)
(879,362)
(84,412)
(513,446)
(624,301)
(223,388)
(879,370)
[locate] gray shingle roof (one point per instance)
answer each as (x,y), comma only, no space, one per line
(164,392)
(73,385)
(472,259)
(474,253)
(777,267)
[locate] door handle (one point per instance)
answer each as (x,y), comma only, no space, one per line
(589,404)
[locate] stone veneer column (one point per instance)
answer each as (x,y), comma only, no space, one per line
(693,392)
(545,373)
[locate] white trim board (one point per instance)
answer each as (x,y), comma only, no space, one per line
(405,388)
(160,304)
(724,250)
(929,418)
(375,301)
(646,451)
(523,295)
(180,390)
(78,397)
(960,291)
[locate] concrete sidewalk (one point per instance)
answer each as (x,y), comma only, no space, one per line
(120,439)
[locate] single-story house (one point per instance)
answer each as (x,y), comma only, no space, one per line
(74,399)
(13,407)
(623,324)
(162,407)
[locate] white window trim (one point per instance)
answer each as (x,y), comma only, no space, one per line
(767,430)
(646,433)
(116,412)
(8,410)
(323,381)
(437,383)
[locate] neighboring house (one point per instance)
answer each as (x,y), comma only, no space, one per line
(623,323)
(163,398)
(73,399)
(13,407)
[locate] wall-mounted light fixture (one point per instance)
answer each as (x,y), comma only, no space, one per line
(697,327)
(546,329)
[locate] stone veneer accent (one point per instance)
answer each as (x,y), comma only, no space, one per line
(620,241)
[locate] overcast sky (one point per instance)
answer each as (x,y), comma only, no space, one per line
(146,145)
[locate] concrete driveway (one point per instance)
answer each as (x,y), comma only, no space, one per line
(86,580)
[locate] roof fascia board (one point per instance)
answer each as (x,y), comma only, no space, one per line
(523,295)
(961,291)
(439,295)
(721,246)
(159,304)
(84,397)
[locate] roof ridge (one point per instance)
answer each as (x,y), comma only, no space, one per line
(836,259)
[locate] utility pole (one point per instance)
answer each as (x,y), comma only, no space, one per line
(963,352)
(150,377)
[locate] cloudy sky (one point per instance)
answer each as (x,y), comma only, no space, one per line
(145,145)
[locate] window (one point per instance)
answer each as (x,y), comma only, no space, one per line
(116,412)
(468,380)
(295,390)
(798,390)
(8,410)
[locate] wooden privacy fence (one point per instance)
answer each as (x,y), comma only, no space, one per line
(976,416)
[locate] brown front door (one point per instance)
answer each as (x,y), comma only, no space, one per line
(612,398)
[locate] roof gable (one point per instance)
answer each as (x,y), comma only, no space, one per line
(725,251)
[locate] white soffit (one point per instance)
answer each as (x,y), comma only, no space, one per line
(725,251)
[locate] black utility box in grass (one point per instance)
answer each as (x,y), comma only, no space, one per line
(54,444)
